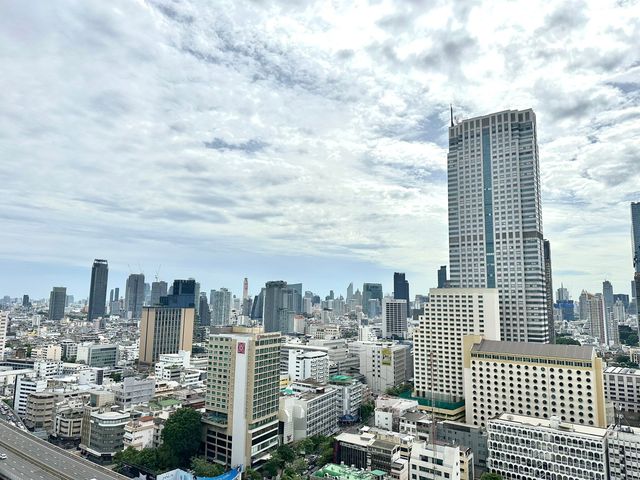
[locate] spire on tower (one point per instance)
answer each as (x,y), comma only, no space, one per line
(451,109)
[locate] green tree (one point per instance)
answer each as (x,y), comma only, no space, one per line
(305,446)
(286,453)
(271,468)
(631,340)
(181,435)
(567,341)
(202,468)
(491,476)
(366,410)
(251,474)
(116,376)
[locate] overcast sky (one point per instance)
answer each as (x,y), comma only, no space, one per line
(300,140)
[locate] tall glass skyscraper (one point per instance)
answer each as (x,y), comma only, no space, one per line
(635,234)
(495,220)
(134,295)
(98,292)
(401,290)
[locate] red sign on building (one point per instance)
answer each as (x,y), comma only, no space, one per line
(241,347)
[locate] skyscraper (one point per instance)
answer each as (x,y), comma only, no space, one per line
(274,308)
(220,306)
(607,295)
(57,301)
(394,317)
(549,289)
(158,289)
(25,301)
(98,291)
(442,276)
(257,308)
(242,396)
(294,297)
(562,294)
(182,294)
(349,292)
(245,288)
(495,218)
(401,290)
(4,324)
(134,295)
(635,234)
(168,327)
(204,318)
(371,291)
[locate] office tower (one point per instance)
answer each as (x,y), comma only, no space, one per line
(623,297)
(147,294)
(220,306)
(394,318)
(349,292)
(111,296)
(450,314)
(57,302)
(165,329)
(607,294)
(532,379)
(636,292)
(245,288)
(635,234)
(4,324)
(158,289)
(596,317)
(25,301)
(495,218)
(401,290)
(134,295)
(567,308)
(182,294)
(98,292)
(274,307)
(205,313)
(562,294)
(549,289)
(442,276)
(371,291)
(196,296)
(623,444)
(579,452)
(242,396)
(257,309)
(294,297)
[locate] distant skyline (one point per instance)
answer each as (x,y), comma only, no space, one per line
(303,141)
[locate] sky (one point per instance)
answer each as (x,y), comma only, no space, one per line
(300,140)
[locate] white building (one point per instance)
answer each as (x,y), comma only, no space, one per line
(305,365)
(394,318)
(622,387)
(349,393)
(138,433)
(220,301)
(25,386)
(389,410)
(134,391)
(450,314)
(434,462)
(309,413)
(495,219)
(4,323)
(383,365)
(537,380)
(527,448)
(624,453)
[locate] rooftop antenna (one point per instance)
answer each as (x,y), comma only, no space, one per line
(451,110)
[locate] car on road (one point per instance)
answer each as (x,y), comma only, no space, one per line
(3,456)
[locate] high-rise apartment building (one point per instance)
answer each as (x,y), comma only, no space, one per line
(635,234)
(134,295)
(220,306)
(166,328)
(57,301)
(158,289)
(607,296)
(349,292)
(531,379)
(98,291)
(394,317)
(275,311)
(204,318)
(4,324)
(495,220)
(245,289)
(451,313)
(371,298)
(442,276)
(383,364)
(401,290)
(242,396)
(562,294)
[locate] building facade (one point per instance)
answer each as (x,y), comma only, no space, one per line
(220,306)
(98,290)
(450,314)
(394,317)
(134,295)
(383,364)
(165,329)
(495,219)
(401,290)
(242,393)
(537,380)
(371,299)
(57,302)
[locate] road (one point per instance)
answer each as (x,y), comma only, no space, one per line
(30,458)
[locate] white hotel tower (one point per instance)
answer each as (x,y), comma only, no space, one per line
(495,221)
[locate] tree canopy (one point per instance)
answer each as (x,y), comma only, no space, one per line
(181,435)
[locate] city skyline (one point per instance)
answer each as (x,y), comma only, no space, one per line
(311,149)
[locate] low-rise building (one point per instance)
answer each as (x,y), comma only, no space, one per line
(139,433)
(622,388)
(389,410)
(624,453)
(39,411)
(529,448)
(102,433)
(67,423)
(431,461)
(308,365)
(308,413)
(24,387)
(349,392)
(383,364)
(134,391)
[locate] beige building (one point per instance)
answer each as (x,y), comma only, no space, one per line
(40,411)
(450,314)
(532,379)
(242,396)
(164,329)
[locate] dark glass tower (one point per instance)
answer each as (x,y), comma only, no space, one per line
(134,295)
(549,289)
(401,289)
(442,276)
(98,292)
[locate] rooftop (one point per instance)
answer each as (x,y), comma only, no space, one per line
(332,470)
(623,371)
(546,423)
(573,352)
